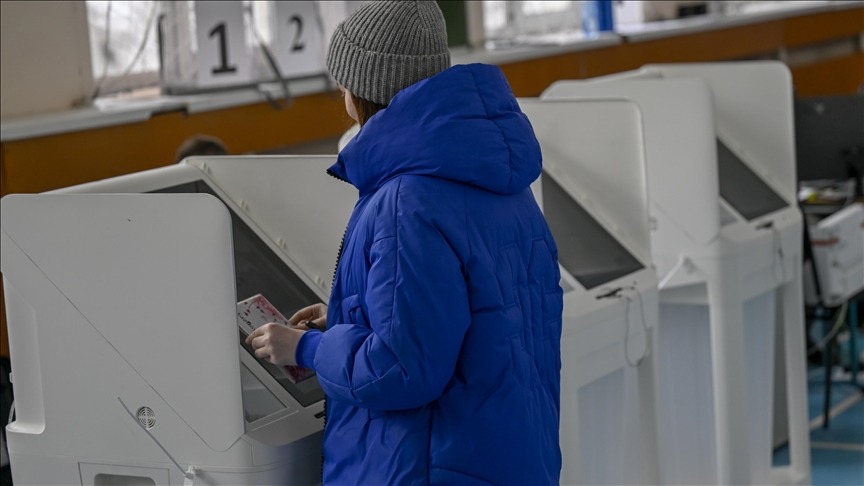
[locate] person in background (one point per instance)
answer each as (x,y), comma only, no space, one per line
(200,145)
(441,356)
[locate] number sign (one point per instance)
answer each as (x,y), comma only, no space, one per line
(222,58)
(299,41)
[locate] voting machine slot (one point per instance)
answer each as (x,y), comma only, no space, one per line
(585,249)
(745,191)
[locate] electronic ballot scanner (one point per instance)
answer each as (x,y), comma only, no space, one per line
(127,355)
(726,239)
(593,193)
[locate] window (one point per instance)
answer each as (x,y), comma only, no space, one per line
(142,43)
(123,44)
(508,20)
(495,14)
(548,17)
(546,7)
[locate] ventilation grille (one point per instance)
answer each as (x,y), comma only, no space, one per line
(146,417)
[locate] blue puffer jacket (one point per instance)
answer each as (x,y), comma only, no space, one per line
(441,361)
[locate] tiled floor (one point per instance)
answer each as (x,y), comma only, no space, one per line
(836,452)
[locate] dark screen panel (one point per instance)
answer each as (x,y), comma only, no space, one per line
(829,137)
(585,249)
(257,270)
(742,188)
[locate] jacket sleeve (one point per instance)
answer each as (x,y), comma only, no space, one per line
(418,310)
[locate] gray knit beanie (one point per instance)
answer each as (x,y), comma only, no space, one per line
(385,46)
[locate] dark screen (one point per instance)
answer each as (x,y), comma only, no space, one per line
(829,137)
(258,270)
(742,188)
(585,249)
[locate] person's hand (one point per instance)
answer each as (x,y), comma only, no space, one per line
(275,343)
(317,313)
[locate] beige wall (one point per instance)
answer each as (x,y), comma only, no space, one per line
(44,56)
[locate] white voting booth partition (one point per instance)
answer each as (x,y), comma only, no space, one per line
(727,244)
(593,195)
(126,355)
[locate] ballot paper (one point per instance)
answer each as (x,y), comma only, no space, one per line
(256,311)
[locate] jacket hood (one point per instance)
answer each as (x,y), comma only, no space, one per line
(463,124)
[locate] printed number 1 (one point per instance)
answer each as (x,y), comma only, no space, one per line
(223,50)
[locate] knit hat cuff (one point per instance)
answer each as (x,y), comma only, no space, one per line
(378,76)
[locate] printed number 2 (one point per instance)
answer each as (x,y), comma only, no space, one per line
(297,45)
(223,50)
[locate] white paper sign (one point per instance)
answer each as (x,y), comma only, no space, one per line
(222,58)
(299,41)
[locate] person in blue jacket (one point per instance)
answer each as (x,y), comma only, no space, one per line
(441,357)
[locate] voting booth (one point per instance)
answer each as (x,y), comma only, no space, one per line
(127,359)
(593,193)
(726,240)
